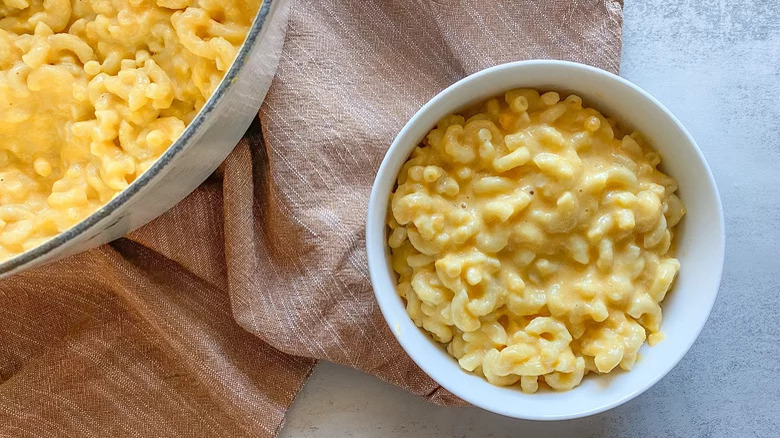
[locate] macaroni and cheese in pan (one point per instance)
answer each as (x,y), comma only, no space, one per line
(535,239)
(92,92)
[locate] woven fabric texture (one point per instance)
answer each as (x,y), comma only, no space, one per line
(207,321)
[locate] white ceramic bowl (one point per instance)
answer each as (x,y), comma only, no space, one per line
(701,240)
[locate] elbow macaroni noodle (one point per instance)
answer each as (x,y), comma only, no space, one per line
(535,240)
(92,92)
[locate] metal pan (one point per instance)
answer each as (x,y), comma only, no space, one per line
(192,158)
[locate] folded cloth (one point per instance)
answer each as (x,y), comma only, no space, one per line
(208,321)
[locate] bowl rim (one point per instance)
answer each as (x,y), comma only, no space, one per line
(201,118)
(377,257)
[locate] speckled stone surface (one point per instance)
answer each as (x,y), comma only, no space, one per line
(716,65)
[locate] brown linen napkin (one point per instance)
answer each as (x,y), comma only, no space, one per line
(208,321)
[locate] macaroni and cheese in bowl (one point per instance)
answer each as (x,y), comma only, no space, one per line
(110,112)
(533,238)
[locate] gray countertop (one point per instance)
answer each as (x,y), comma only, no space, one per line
(716,65)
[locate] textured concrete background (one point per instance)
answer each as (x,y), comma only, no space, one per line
(716,65)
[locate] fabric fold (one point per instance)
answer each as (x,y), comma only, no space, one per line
(207,321)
